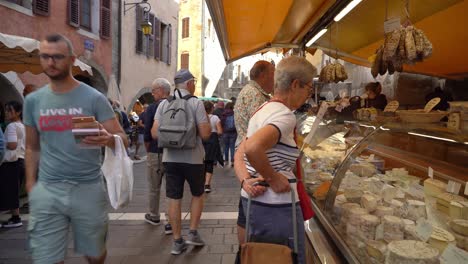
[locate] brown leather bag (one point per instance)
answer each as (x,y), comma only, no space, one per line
(256,253)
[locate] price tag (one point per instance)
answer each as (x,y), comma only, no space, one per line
(430,173)
(454,255)
(453,187)
(322,110)
(431,104)
(379,232)
(392,25)
(466,188)
(423,229)
(392,106)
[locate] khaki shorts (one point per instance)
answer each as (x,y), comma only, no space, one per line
(54,207)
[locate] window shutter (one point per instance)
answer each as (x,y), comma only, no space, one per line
(165,43)
(150,47)
(169,50)
(74,12)
(139,32)
(185,27)
(105,19)
(41,7)
(157,38)
(184,61)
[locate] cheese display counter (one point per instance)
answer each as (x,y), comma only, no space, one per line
(392,193)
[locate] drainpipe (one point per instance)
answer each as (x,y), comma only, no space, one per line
(203,47)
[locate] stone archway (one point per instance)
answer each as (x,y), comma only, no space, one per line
(142,93)
(9,93)
(99,78)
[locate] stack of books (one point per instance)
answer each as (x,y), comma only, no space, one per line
(82,127)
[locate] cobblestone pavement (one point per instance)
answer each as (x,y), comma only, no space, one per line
(131,240)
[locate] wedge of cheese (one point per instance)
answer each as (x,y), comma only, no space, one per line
(433,187)
(440,238)
(444,200)
(411,252)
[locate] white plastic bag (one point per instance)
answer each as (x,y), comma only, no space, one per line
(118,171)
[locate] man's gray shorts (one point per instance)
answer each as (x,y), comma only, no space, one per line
(54,207)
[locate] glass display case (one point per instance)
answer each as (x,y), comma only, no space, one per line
(390,193)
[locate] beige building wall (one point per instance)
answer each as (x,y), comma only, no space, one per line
(137,70)
(193,44)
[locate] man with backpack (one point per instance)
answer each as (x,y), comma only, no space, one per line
(180,124)
(229,132)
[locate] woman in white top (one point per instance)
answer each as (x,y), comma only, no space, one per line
(212,148)
(268,155)
(12,168)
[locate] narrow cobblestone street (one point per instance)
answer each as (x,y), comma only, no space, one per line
(131,240)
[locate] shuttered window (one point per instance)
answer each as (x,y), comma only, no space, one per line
(185,27)
(157,38)
(139,32)
(105,19)
(184,61)
(164,42)
(74,12)
(169,51)
(151,47)
(41,7)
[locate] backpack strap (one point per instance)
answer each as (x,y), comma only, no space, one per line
(188,96)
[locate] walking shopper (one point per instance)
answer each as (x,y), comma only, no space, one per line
(269,155)
(185,164)
(252,96)
(229,132)
(160,91)
(212,149)
(64,180)
(12,169)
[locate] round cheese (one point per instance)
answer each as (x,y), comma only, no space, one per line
(415,210)
(393,228)
(411,252)
(440,238)
(381,211)
(460,226)
(353,195)
(369,202)
(376,249)
(368,226)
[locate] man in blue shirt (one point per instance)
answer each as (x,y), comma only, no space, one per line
(63,179)
(161,89)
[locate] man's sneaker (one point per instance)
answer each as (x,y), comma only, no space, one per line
(154,220)
(194,239)
(207,188)
(12,222)
(178,248)
(168,229)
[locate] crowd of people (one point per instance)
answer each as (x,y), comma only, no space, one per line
(254,134)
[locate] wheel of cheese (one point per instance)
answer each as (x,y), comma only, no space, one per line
(369,202)
(353,195)
(411,252)
(368,226)
(398,208)
(460,226)
(415,210)
(376,249)
(393,228)
(433,187)
(355,214)
(440,238)
(410,232)
(462,241)
(381,211)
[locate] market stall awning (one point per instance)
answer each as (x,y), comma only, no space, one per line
(245,27)
(20,54)
(361,32)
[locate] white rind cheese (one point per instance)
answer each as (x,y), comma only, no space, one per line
(415,210)
(393,228)
(368,226)
(376,249)
(381,211)
(411,252)
(369,202)
(460,226)
(433,187)
(440,238)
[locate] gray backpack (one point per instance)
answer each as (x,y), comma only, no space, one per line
(177,128)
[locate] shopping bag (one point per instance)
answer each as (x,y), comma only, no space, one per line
(304,199)
(118,172)
(267,252)
(10,155)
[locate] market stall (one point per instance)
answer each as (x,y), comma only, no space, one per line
(389,186)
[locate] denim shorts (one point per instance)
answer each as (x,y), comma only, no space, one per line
(54,207)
